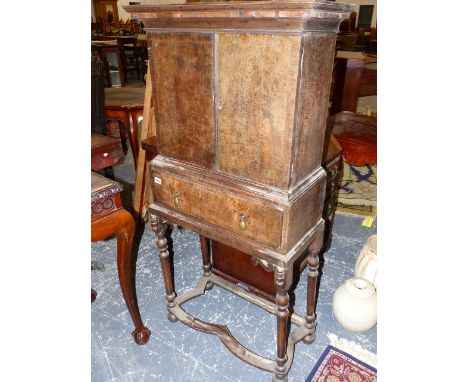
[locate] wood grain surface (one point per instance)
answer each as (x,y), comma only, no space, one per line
(183,87)
(312,105)
(202,202)
(257,91)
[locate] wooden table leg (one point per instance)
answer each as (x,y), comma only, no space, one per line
(132,133)
(160,227)
(121,223)
(126,277)
(128,124)
(282,313)
(205,249)
(121,117)
(93,295)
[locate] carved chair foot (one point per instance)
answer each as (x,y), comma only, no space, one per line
(93,295)
(171,317)
(141,336)
(209,285)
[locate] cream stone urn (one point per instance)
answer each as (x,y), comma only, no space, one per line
(366,263)
(355,305)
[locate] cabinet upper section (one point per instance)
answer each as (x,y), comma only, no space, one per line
(251,105)
(283,15)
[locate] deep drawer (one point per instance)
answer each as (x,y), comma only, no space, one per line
(258,221)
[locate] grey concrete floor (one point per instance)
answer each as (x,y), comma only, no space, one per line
(178,353)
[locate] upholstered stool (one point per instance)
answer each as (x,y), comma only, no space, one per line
(108,218)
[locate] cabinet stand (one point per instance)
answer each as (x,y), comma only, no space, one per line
(286,339)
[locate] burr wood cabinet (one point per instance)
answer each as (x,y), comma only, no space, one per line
(240,95)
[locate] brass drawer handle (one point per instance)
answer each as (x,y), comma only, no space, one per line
(242,223)
(176,199)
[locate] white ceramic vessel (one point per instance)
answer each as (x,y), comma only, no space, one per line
(355,305)
(366,264)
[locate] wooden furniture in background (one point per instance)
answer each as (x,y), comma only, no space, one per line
(105,151)
(346,41)
(131,57)
(237,162)
(109,218)
(125,105)
(332,163)
(365,16)
(142,195)
(102,9)
(357,135)
(368,83)
(98,115)
(348,73)
(109,52)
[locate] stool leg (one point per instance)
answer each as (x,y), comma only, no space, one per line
(159,227)
(282,313)
(141,334)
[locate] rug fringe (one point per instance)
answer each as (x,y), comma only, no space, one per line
(353,349)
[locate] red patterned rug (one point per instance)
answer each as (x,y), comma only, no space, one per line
(335,365)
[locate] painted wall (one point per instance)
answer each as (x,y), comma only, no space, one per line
(363,2)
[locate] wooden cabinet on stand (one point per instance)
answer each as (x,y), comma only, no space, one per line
(240,93)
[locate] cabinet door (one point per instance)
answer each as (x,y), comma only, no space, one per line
(257,80)
(183,86)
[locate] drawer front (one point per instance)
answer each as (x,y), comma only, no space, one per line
(254,220)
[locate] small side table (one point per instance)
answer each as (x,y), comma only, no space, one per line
(126,105)
(105,151)
(108,218)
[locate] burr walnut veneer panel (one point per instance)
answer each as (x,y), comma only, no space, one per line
(196,199)
(183,89)
(312,104)
(257,90)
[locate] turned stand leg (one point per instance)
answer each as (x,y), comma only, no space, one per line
(159,227)
(312,274)
(282,313)
(141,334)
(205,249)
